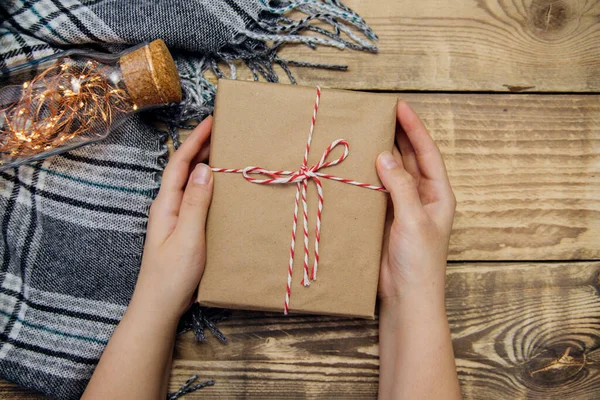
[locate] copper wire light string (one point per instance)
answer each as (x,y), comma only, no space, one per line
(64,101)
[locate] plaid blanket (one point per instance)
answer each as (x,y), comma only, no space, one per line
(72,226)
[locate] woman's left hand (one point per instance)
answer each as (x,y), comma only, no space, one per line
(175,250)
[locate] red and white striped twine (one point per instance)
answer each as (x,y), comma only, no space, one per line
(301,178)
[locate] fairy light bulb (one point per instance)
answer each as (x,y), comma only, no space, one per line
(75,98)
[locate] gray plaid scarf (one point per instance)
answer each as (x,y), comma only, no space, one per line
(73,225)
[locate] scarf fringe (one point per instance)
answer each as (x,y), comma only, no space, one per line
(258,50)
(187,387)
(198,319)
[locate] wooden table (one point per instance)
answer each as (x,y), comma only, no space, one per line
(510,91)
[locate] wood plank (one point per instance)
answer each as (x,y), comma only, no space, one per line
(520,330)
(470,45)
(9,390)
(525,170)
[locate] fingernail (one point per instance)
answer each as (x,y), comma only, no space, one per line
(387,160)
(201,174)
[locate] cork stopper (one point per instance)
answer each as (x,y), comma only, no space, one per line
(151,76)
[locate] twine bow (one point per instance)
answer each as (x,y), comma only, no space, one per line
(301,178)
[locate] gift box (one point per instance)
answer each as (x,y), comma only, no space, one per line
(258,145)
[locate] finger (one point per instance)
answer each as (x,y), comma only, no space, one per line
(178,170)
(398,156)
(401,186)
(165,208)
(202,156)
(389,220)
(191,223)
(176,174)
(204,153)
(409,158)
(428,156)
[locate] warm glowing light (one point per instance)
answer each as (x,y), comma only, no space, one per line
(62,102)
(20,135)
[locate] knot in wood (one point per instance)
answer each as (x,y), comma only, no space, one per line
(549,17)
(556,367)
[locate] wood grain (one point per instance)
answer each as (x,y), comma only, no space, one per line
(525,170)
(468,45)
(520,330)
(9,390)
(526,330)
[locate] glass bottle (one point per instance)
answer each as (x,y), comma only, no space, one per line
(73,98)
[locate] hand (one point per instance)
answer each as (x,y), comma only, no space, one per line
(141,347)
(175,250)
(414,336)
(416,242)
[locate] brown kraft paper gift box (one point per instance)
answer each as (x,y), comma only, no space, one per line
(249,225)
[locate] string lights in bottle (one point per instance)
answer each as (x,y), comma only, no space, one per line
(78,97)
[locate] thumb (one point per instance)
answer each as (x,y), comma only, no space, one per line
(191,222)
(400,184)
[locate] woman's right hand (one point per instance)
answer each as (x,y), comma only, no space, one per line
(415,347)
(416,243)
